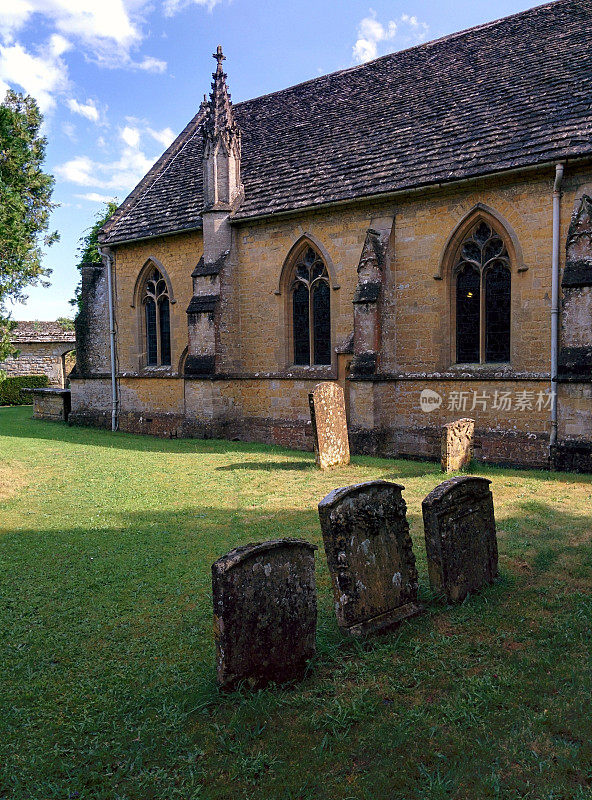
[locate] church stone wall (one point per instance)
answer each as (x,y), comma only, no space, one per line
(267,244)
(178,255)
(265,399)
(417,311)
(389,418)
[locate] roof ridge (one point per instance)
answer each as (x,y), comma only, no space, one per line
(419,46)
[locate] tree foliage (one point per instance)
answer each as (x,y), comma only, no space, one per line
(88,251)
(25,204)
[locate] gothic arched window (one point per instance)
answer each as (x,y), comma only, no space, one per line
(482,281)
(311,310)
(155,299)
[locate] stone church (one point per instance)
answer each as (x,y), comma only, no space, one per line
(417,229)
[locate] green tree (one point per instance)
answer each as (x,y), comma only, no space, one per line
(25,204)
(88,245)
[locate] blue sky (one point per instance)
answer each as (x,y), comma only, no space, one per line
(118,79)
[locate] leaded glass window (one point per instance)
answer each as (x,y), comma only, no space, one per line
(483,298)
(497,313)
(311,310)
(468,302)
(158,325)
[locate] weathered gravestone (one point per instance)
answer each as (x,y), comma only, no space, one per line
(457,444)
(265,612)
(370,556)
(329,424)
(460,536)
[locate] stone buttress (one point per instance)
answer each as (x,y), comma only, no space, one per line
(211,307)
(574,450)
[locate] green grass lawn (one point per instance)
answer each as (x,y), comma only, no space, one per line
(107,679)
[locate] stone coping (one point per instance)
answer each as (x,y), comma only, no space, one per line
(55,390)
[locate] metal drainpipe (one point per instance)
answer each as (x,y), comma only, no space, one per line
(107,257)
(555,300)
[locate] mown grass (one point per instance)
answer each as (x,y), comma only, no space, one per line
(107,684)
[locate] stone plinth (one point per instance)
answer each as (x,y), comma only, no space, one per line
(460,536)
(329,423)
(51,404)
(370,556)
(265,612)
(457,444)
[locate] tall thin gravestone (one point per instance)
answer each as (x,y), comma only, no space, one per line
(457,444)
(460,536)
(265,612)
(329,424)
(370,556)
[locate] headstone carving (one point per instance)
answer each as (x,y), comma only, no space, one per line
(265,612)
(370,556)
(460,536)
(329,423)
(457,444)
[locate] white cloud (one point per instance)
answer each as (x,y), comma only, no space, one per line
(13,18)
(150,64)
(93,197)
(108,30)
(372,33)
(42,75)
(123,173)
(78,170)
(171,7)
(163,137)
(69,130)
(91,21)
(131,136)
(87,110)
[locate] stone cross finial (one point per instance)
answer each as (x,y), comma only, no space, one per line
(222,142)
(219,56)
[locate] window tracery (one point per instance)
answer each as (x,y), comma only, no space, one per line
(157,320)
(311,310)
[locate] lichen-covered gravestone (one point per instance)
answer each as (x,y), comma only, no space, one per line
(457,444)
(329,424)
(265,612)
(370,556)
(460,536)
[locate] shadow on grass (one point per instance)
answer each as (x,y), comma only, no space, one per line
(267,465)
(113,624)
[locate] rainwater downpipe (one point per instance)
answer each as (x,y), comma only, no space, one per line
(555,299)
(107,257)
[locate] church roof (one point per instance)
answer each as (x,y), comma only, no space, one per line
(512,93)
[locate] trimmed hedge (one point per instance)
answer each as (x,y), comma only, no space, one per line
(10,389)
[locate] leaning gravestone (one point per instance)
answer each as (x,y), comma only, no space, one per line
(370,556)
(329,424)
(460,536)
(457,444)
(265,612)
